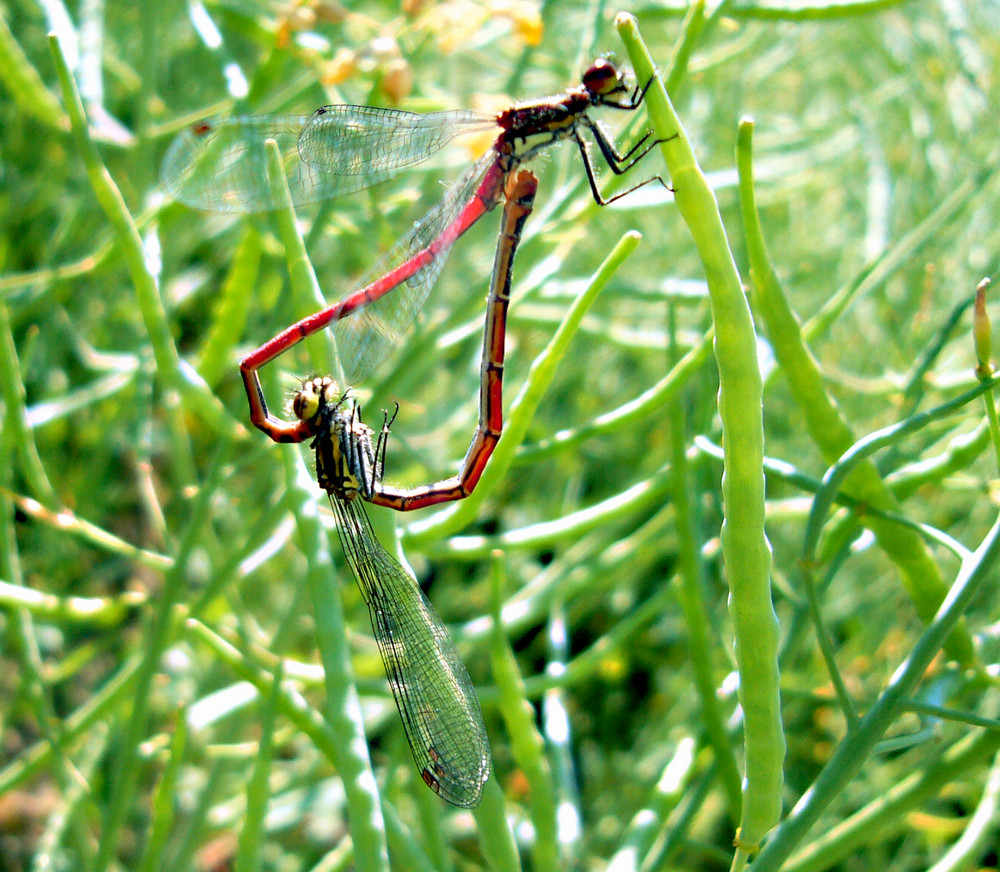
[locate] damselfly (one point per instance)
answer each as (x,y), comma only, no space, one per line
(432,689)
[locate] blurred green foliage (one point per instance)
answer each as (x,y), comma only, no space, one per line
(875,167)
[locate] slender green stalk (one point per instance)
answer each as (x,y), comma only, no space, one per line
(659,396)
(568,528)
(100,611)
(306,292)
(920,574)
(690,38)
(557,733)
(692,602)
(407,851)
(959,452)
(527,744)
(165,798)
(855,749)
(24,83)
(229,315)
(664,799)
(826,647)
(71,815)
(67,522)
(824,10)
(989,404)
(16,419)
(983,341)
(252,833)
(432,830)
(495,837)
(745,547)
(205,797)
(676,831)
(175,374)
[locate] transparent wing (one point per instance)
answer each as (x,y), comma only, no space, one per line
(429,681)
(366,338)
(219,164)
(370,142)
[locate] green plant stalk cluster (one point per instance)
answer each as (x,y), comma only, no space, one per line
(175,375)
(944,625)
(886,814)
(523,408)
(920,574)
(860,742)
(125,772)
(640,408)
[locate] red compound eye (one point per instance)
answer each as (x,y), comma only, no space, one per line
(601,77)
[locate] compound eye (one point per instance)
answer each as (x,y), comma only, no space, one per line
(305,403)
(601,77)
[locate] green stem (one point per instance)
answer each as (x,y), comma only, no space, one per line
(526,743)
(693,604)
(858,745)
(745,547)
(342,705)
(175,374)
(920,575)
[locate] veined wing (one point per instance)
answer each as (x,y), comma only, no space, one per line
(368,336)
(429,681)
(369,141)
(219,164)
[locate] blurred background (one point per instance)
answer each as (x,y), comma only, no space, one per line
(124,421)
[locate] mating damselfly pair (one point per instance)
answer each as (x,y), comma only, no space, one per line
(222,165)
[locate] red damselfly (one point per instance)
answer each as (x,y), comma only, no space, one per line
(432,689)
(220,165)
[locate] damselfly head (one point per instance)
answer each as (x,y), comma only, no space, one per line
(314,395)
(602,78)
